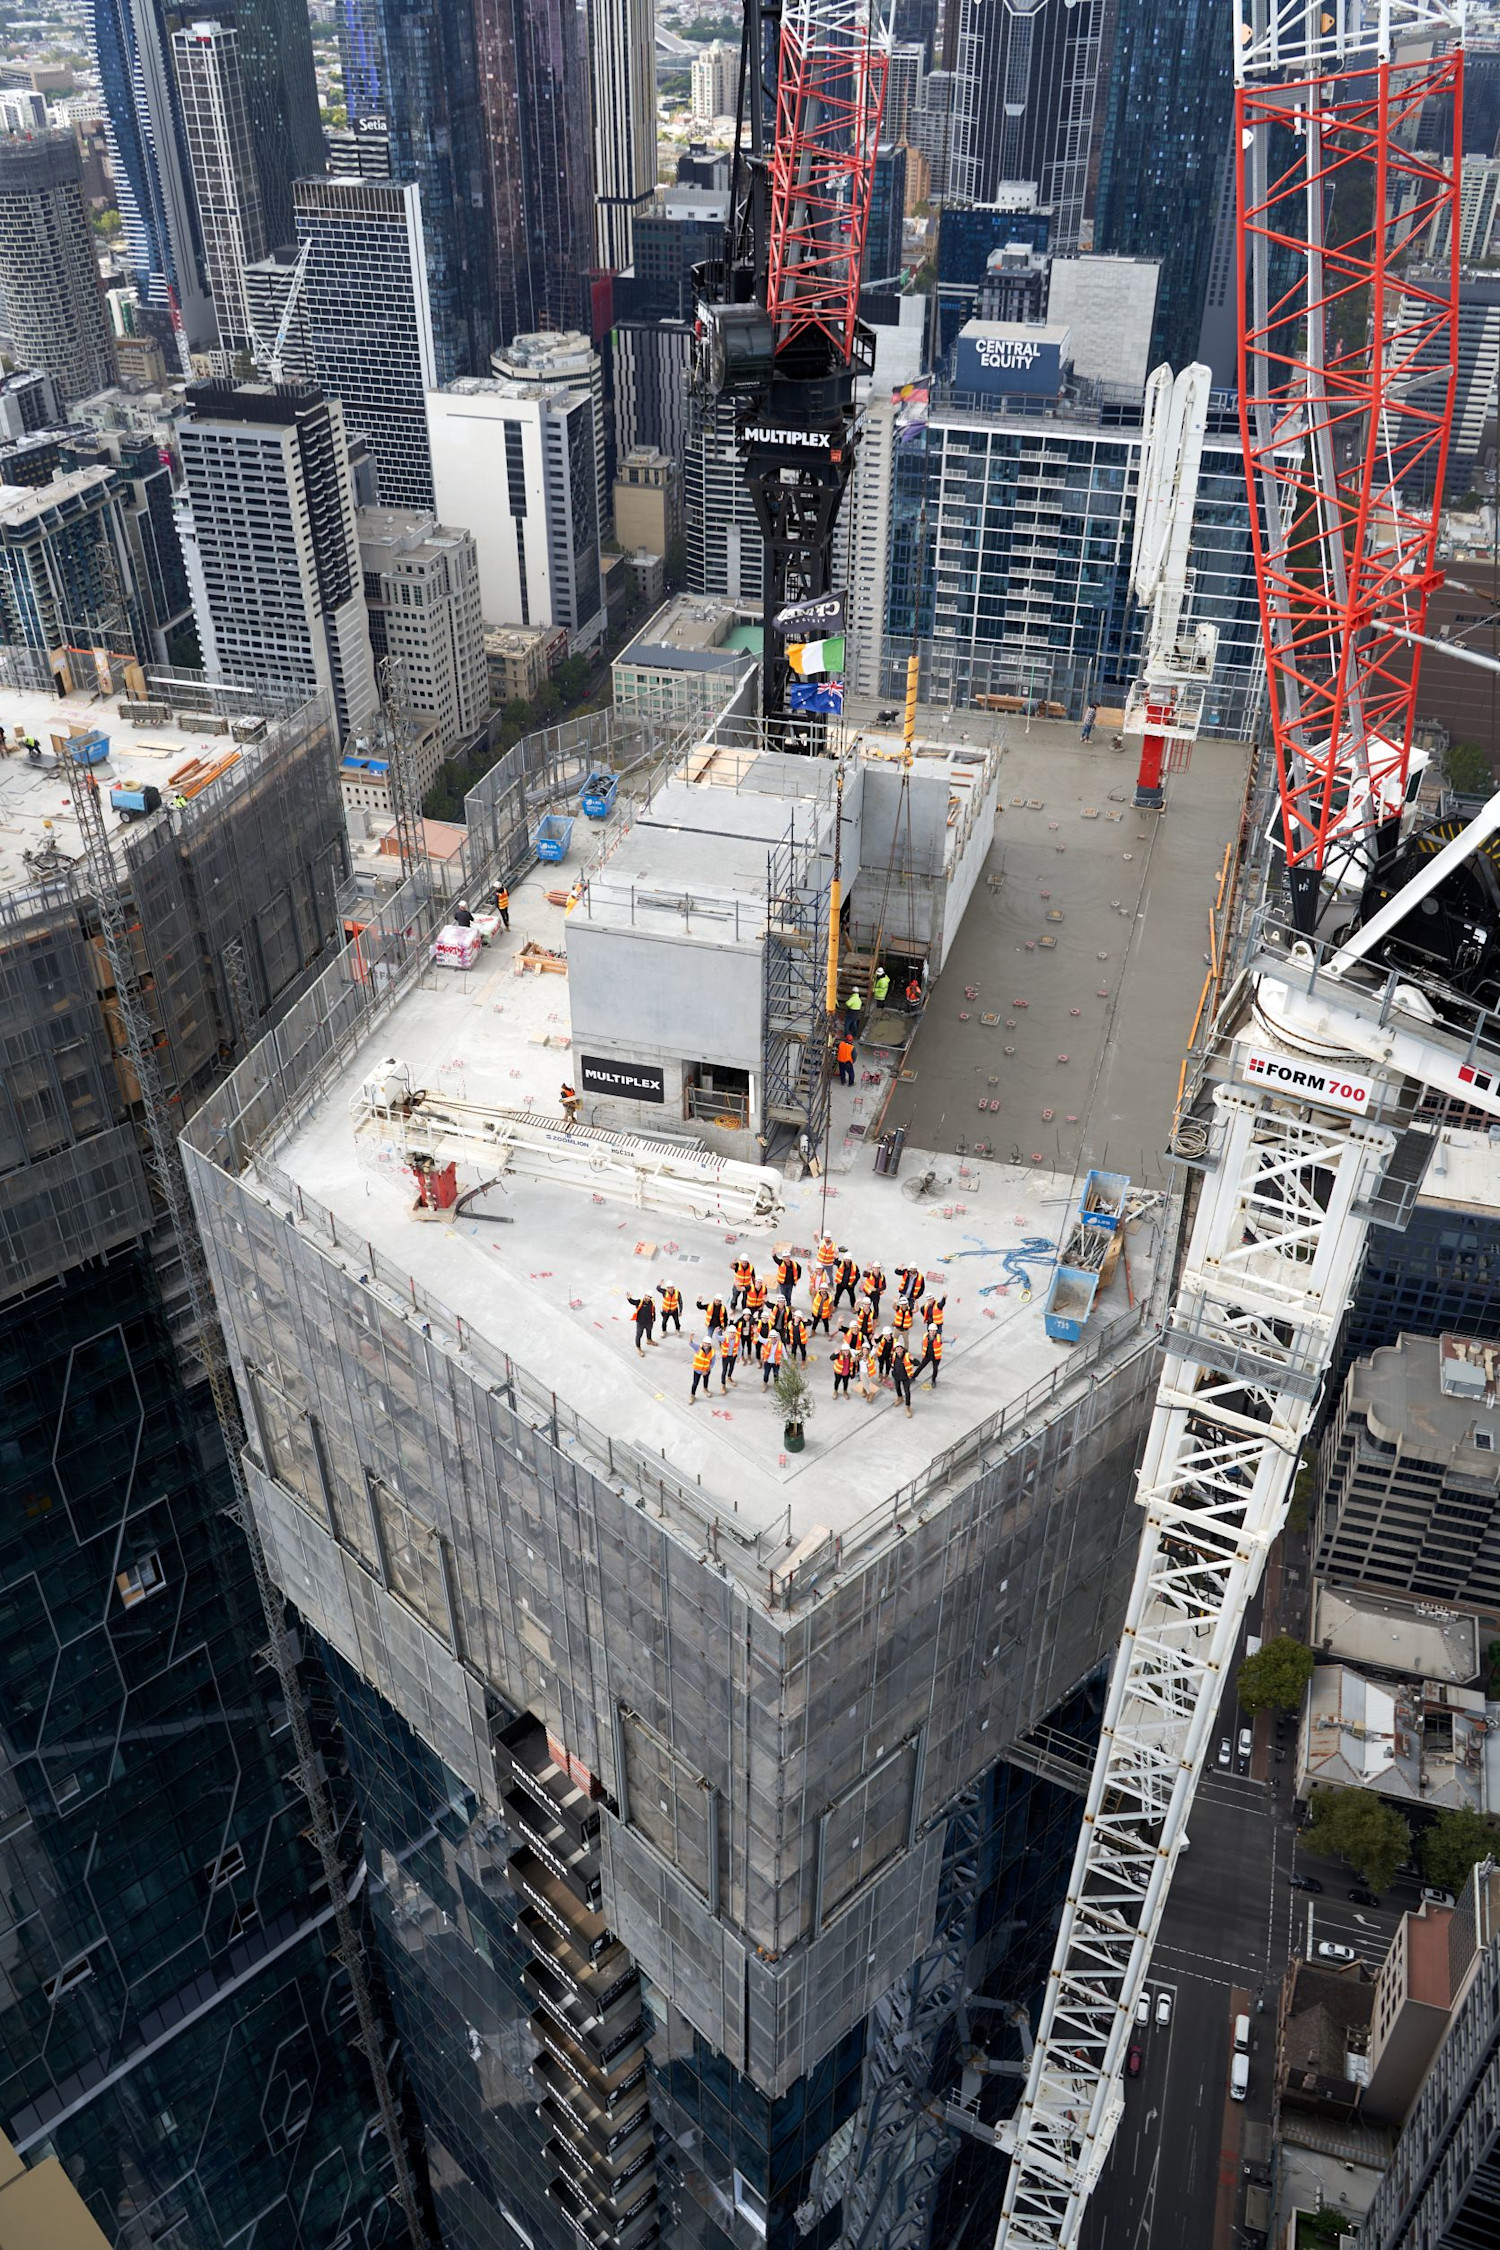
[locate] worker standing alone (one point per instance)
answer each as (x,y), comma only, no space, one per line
(881,987)
(569,1099)
(846,1060)
(502,903)
(903,1367)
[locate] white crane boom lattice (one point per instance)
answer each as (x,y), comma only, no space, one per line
(1313,1079)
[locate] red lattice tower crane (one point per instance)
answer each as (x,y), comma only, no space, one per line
(1348,352)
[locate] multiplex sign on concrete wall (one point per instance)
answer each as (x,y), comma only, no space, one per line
(635,1082)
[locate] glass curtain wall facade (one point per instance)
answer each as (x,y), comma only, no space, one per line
(464,1988)
(1162,169)
(172,2024)
(1010,541)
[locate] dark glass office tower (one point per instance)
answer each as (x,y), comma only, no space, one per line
(1162,170)
(1024,104)
(281,98)
(174,2021)
(535,87)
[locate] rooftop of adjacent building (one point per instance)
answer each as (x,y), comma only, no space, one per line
(36,810)
(1421,1639)
(693,632)
(1427,1965)
(24,505)
(389,535)
(1418,1742)
(551,355)
(561,393)
(1434,1397)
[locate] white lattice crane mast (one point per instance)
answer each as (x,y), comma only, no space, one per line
(1165,706)
(1315,1076)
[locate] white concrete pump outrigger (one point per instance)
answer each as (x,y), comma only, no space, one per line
(1318,1064)
(653,1175)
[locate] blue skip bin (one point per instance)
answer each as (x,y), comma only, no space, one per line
(553,835)
(1102,1203)
(1070,1300)
(597,795)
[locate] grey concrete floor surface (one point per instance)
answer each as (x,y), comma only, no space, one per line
(1115,993)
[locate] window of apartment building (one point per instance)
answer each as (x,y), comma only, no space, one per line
(138,1581)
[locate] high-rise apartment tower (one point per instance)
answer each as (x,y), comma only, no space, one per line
(221,164)
(48,271)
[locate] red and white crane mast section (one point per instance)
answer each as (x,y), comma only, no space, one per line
(832,62)
(1348,352)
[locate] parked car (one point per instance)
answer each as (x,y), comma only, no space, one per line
(1164,2007)
(1328,1951)
(1143,2008)
(1304,1882)
(1247,1742)
(1225,1753)
(1438,1898)
(1364,1898)
(1134,2059)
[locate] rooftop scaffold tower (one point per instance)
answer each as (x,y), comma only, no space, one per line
(777,315)
(1348,352)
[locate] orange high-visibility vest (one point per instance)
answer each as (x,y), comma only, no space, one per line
(703,1359)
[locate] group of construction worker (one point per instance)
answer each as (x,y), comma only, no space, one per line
(760,1323)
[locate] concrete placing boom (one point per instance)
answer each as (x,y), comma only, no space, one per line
(653,1175)
(1165,706)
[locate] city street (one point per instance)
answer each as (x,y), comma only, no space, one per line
(1173,2175)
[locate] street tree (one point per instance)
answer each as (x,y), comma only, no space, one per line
(1357,1826)
(1458,1840)
(1276,1677)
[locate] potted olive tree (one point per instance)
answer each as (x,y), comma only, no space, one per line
(795,1398)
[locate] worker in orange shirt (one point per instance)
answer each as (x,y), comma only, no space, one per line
(703,1360)
(788,1274)
(755,1295)
(843,1368)
(773,1351)
(932,1311)
(502,903)
(744,1274)
(671,1306)
(822,1308)
(901,1319)
(933,1356)
(827,1253)
(845,1053)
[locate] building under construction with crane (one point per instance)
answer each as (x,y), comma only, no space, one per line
(720,1789)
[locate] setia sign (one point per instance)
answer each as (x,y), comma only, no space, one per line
(1311,1082)
(631,1082)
